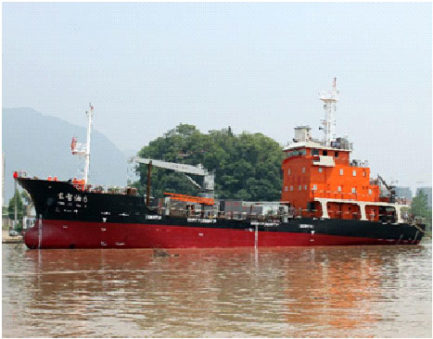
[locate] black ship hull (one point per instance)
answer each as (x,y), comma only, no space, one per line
(71,218)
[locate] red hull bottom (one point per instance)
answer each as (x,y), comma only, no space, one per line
(75,234)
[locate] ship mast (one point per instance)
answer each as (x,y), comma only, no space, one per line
(329,99)
(84,150)
(87,154)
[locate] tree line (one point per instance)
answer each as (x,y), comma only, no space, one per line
(420,208)
(246,166)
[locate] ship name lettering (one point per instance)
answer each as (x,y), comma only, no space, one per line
(258,223)
(306,226)
(204,221)
(61,196)
(153,217)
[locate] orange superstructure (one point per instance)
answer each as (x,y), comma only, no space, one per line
(320,179)
(312,171)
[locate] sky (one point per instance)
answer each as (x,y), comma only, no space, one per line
(257,67)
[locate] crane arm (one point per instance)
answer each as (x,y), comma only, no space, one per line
(208,178)
(192,181)
(389,188)
(173,166)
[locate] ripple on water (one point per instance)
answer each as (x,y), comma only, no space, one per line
(357,291)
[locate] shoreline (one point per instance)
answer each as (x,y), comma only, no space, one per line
(7,239)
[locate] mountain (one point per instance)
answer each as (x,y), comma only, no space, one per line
(40,145)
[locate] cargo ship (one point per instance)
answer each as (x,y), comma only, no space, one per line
(326,199)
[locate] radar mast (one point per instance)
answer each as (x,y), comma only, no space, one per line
(329,99)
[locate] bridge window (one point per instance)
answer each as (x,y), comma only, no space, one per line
(291,188)
(336,154)
(288,171)
(341,171)
(320,169)
(305,187)
(314,187)
(303,169)
(354,173)
(296,153)
(353,190)
(286,188)
(300,187)
(315,152)
(369,191)
(339,188)
(325,152)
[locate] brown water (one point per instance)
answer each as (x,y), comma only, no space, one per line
(364,291)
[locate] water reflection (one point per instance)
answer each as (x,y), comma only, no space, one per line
(290,292)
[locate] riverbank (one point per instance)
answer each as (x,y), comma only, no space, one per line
(8,239)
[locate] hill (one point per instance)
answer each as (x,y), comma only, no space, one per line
(40,145)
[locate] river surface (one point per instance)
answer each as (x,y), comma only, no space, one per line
(361,291)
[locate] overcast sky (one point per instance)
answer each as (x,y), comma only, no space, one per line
(256,67)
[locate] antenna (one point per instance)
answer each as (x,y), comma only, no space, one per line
(329,99)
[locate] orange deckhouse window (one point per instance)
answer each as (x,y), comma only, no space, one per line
(296,153)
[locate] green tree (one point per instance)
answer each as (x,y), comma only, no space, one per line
(246,166)
(27,199)
(20,208)
(420,208)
